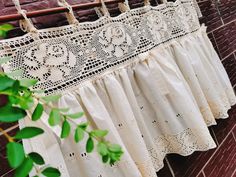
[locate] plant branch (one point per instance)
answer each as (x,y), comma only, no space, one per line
(9,138)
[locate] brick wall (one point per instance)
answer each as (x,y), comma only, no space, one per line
(221,22)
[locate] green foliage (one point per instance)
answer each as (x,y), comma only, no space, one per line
(37,158)
(24,169)
(51,172)
(22,100)
(99,133)
(28,132)
(9,114)
(37,112)
(89,145)
(54,117)
(65,129)
(79,134)
(102,149)
(6,82)
(4,29)
(28,82)
(15,154)
(51,98)
(75,115)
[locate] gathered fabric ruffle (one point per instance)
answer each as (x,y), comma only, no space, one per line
(160,103)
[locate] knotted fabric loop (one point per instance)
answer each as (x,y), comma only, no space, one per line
(69,15)
(26,24)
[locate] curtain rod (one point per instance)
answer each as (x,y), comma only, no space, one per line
(55,10)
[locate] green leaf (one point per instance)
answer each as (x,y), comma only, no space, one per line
(37,158)
(102,149)
(4,60)
(6,82)
(105,158)
(83,125)
(79,134)
(16,73)
(15,154)
(54,117)
(51,172)
(28,82)
(115,148)
(99,133)
(25,168)
(89,145)
(51,98)
(11,114)
(38,111)
(115,157)
(6,27)
(63,109)
(65,129)
(28,132)
(75,115)
(3,34)
(26,102)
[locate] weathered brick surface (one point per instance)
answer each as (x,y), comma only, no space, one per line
(221,23)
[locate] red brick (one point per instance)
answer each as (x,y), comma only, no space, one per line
(210,15)
(225,38)
(165,171)
(223,163)
(228,10)
(201,175)
(189,166)
(230,66)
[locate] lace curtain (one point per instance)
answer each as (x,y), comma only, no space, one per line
(150,76)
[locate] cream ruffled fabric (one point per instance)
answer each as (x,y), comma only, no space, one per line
(150,117)
(156,92)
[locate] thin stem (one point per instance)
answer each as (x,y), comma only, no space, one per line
(10,139)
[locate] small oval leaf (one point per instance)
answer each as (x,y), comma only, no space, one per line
(11,114)
(65,129)
(37,158)
(54,117)
(15,154)
(51,98)
(75,115)
(25,168)
(99,133)
(28,132)
(102,149)
(51,172)
(89,145)
(37,112)
(115,148)
(79,134)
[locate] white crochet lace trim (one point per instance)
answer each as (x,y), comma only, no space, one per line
(63,57)
(184,143)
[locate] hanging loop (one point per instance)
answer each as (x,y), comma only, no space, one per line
(26,24)
(124,6)
(164,1)
(104,8)
(69,15)
(146,2)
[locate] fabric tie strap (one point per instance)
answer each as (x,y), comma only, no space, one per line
(70,15)
(26,24)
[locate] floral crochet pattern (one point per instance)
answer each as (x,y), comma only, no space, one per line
(157,26)
(115,41)
(49,61)
(64,57)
